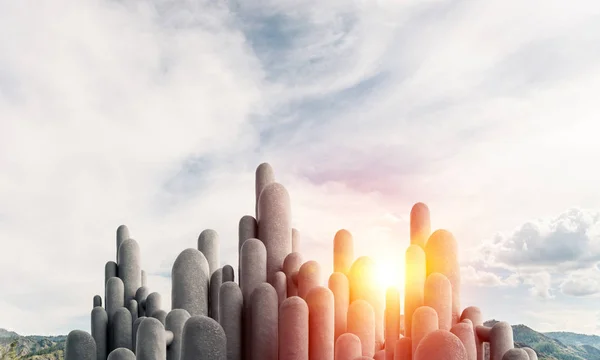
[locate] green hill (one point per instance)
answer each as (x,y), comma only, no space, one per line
(549,346)
(573,339)
(16,347)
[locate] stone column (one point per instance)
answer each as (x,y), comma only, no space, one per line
(414,284)
(442,257)
(293,329)
(190,282)
(343,251)
(231,305)
(339,286)
(361,322)
(321,323)
(80,346)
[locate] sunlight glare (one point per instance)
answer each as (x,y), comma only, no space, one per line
(389,273)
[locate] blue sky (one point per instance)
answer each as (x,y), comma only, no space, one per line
(156,113)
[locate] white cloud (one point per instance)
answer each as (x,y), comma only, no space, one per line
(102,107)
(581,283)
(558,253)
(155,114)
(540,285)
(472,276)
(570,239)
(557,318)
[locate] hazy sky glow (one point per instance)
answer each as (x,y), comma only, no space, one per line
(155,114)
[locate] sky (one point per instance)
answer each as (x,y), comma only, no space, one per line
(156,113)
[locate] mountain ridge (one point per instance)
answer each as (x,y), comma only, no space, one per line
(558,345)
(553,345)
(31,347)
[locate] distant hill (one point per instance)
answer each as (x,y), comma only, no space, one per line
(556,346)
(573,339)
(16,347)
(549,346)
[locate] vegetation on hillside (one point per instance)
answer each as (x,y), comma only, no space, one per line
(16,347)
(549,346)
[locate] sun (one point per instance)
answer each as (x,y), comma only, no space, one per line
(390,274)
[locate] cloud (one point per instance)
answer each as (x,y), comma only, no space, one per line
(568,240)
(470,275)
(540,285)
(108,107)
(581,283)
(557,318)
(558,253)
(155,114)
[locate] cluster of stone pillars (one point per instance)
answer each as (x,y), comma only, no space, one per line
(279,309)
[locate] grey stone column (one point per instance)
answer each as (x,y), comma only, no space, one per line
(151,340)
(122,328)
(247,229)
(110,270)
(161,316)
(264,306)
(203,339)
(153,304)
(134,329)
(228,273)
(531,353)
(129,268)
(253,272)
(174,323)
(209,245)
(231,303)
(114,300)
(121,354)
(264,176)
(253,263)
(122,235)
(275,225)
(516,354)
(140,296)
(80,346)
(190,283)
(133,309)
(100,331)
(216,280)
